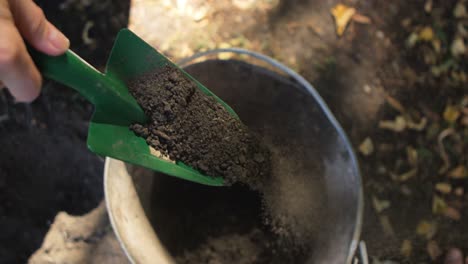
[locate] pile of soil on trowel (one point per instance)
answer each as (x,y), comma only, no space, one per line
(189,126)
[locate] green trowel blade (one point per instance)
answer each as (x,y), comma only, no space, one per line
(130,58)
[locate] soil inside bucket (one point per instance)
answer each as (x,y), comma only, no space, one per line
(202,224)
(192,127)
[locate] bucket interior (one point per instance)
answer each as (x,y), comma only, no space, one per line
(316,190)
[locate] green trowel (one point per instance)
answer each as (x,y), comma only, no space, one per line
(115,108)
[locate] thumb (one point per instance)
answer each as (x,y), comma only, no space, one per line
(36,29)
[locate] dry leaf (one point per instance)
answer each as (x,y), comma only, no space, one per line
(405,190)
(461,30)
(436,44)
(244,4)
(452,213)
(407,175)
(443,187)
(406,248)
(426,229)
(380,205)
(412,40)
(342,15)
(366,147)
(406,22)
(401,123)
(224,55)
(426,34)
(395,103)
(417,126)
(386,225)
(361,19)
(458,47)
(458,173)
(367,89)
(451,114)
(438,205)
(460,10)
(397,125)
(428,6)
(433,250)
(459,191)
(412,155)
(464,121)
(440,142)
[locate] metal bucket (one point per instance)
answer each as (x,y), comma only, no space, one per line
(312,150)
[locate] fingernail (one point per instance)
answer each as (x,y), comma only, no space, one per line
(57,39)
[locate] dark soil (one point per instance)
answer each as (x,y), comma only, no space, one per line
(219,225)
(45,168)
(191,127)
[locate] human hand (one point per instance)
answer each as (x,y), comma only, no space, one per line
(24,19)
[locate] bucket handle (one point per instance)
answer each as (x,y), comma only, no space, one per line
(361,256)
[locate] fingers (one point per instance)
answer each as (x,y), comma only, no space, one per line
(17,70)
(36,29)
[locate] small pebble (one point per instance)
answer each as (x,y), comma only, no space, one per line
(454,256)
(242,159)
(259,158)
(459,191)
(367,89)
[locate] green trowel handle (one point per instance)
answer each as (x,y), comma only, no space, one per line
(107,94)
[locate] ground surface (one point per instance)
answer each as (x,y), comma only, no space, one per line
(401,62)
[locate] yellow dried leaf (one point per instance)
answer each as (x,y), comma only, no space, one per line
(342,15)
(458,173)
(451,114)
(412,40)
(397,125)
(386,225)
(380,205)
(407,175)
(426,34)
(428,6)
(406,248)
(417,126)
(438,205)
(366,147)
(443,187)
(452,213)
(458,47)
(395,103)
(426,229)
(460,10)
(412,155)
(361,19)
(436,44)
(433,250)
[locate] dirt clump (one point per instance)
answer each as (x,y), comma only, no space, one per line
(191,127)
